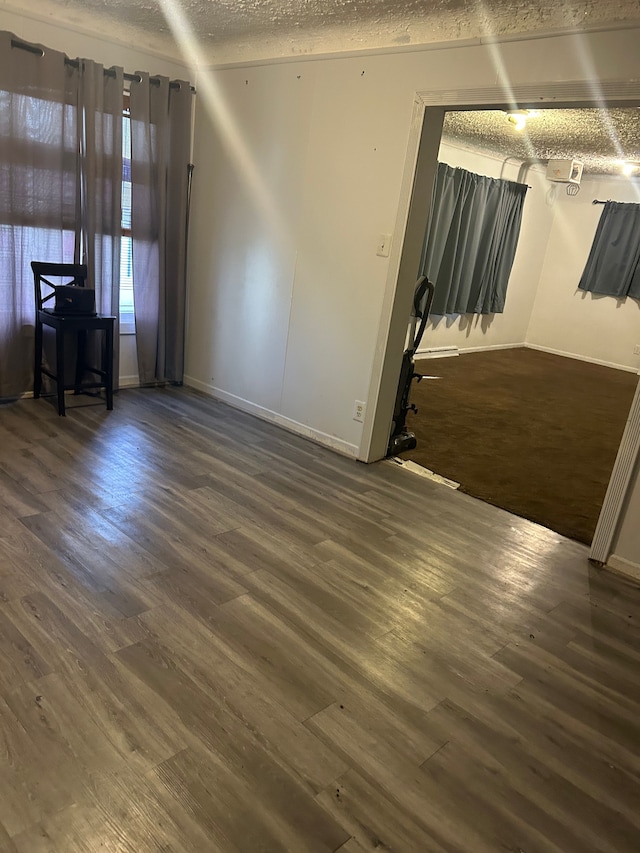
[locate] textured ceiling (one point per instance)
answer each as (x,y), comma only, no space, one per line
(598,138)
(245,30)
(240,30)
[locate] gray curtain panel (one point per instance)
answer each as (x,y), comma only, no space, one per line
(613,265)
(61,199)
(38,192)
(160,147)
(100,166)
(471,241)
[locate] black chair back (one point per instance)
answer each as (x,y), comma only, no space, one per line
(73,275)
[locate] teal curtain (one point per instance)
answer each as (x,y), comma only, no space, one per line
(613,265)
(471,241)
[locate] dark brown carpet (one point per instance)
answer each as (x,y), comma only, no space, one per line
(527,431)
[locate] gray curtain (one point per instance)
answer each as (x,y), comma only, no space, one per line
(160,147)
(613,265)
(38,192)
(100,200)
(471,241)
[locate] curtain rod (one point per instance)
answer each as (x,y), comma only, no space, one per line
(74,63)
(595,201)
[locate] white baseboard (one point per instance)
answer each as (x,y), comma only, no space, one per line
(443,352)
(129,382)
(446,352)
(437,352)
(124,382)
(624,567)
(464,350)
(582,357)
(316,435)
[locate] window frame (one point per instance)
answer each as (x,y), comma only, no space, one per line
(128,324)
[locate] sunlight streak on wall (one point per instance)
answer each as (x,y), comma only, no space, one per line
(210,92)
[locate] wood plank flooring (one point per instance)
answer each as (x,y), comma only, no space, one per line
(216,636)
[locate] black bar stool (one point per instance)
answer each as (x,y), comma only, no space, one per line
(76,323)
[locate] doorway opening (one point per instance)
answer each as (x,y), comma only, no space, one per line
(530,412)
(536,398)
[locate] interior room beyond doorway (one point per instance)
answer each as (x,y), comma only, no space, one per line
(531,432)
(537,432)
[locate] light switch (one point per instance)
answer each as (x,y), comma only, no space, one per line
(384,245)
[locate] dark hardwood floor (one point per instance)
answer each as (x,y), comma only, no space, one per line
(216,636)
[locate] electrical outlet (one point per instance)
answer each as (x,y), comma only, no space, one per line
(636,349)
(358,411)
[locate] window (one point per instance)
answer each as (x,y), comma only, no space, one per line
(127,315)
(38,185)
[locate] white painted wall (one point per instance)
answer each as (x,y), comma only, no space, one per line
(80,43)
(290,330)
(128,362)
(244,232)
(565,319)
(286,327)
(510,327)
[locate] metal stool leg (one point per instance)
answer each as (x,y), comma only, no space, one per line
(109,366)
(60,369)
(37,361)
(81,350)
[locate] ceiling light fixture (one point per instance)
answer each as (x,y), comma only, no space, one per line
(519,118)
(629,169)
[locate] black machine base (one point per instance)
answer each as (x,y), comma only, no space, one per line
(400,443)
